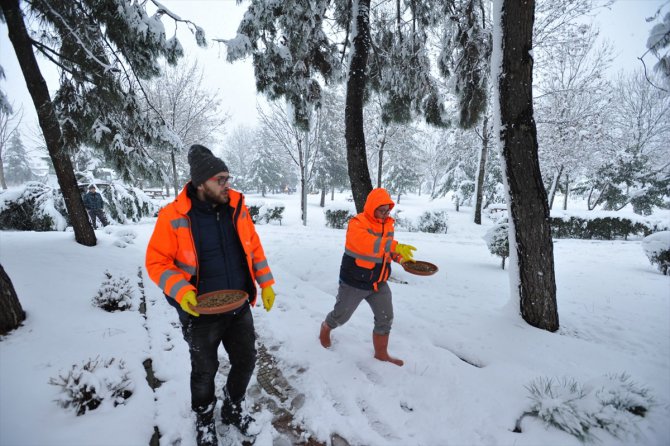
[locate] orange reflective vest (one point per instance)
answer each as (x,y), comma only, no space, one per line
(171,258)
(370,245)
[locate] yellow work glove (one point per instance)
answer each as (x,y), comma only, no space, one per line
(189,299)
(406,252)
(268,297)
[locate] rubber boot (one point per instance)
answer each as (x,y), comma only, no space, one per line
(204,426)
(324,335)
(381,343)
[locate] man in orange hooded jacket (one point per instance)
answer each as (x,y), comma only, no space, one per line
(205,241)
(366,265)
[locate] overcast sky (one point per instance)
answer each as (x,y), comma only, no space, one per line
(624,25)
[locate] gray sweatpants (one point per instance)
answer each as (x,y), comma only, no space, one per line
(348,298)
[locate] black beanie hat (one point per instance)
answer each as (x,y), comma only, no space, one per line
(204,165)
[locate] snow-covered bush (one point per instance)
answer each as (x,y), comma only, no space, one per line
(612,403)
(262,213)
(402,222)
(560,403)
(31,207)
(274,212)
(115,293)
(601,226)
(124,203)
(435,222)
(657,248)
(497,240)
(255,210)
(85,387)
(337,217)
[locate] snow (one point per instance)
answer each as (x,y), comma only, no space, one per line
(468,362)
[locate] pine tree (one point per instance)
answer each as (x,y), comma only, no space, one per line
(17,167)
(400,69)
(531,246)
(102,49)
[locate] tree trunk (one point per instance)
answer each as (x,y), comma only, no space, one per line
(554,186)
(322,202)
(567,190)
(175,180)
(37,87)
(380,164)
(482,171)
(3,183)
(528,199)
(11,312)
(332,193)
(357,163)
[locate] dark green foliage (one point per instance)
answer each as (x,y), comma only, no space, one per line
(125,204)
(103,49)
(31,209)
(254,211)
(338,218)
(275,213)
(599,228)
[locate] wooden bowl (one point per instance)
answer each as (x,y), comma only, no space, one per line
(420,268)
(221,301)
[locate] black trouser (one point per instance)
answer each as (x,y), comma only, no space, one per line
(203,335)
(93,213)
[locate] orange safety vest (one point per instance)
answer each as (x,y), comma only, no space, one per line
(370,242)
(171,259)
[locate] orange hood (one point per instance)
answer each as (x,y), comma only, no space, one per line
(377,197)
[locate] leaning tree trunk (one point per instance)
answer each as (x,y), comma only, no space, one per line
(11,312)
(357,162)
(527,196)
(482,171)
(46,115)
(175,179)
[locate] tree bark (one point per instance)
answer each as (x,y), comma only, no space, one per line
(554,186)
(354,134)
(37,87)
(567,190)
(322,202)
(528,199)
(482,171)
(380,164)
(175,180)
(11,312)
(3,183)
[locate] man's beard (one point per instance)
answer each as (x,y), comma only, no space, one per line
(215,196)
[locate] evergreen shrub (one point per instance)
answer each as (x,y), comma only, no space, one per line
(115,294)
(497,240)
(274,212)
(254,211)
(613,403)
(85,387)
(657,248)
(435,222)
(124,203)
(601,227)
(337,217)
(31,207)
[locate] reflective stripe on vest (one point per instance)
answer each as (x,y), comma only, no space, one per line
(362,257)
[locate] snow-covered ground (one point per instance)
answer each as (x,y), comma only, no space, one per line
(468,360)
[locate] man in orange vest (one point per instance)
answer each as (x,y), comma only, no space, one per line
(366,265)
(205,241)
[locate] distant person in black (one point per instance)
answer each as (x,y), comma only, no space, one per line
(93,204)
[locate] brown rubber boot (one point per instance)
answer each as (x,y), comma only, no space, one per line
(324,335)
(381,343)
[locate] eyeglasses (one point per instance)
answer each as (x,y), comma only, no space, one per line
(383,210)
(222,180)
